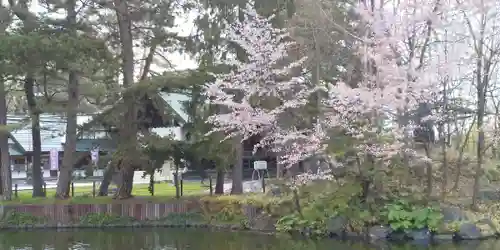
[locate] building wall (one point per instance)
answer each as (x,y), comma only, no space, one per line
(175,132)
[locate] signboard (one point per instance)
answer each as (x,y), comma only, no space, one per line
(260,165)
(54,159)
(94,154)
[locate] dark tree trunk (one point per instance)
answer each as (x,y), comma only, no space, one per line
(29,84)
(128,128)
(29,20)
(126,184)
(108,176)
(219,182)
(63,182)
(237,172)
(6,176)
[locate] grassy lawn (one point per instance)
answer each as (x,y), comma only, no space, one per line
(84,195)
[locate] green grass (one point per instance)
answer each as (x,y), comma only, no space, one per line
(84,195)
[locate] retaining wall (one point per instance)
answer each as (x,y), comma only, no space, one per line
(71,213)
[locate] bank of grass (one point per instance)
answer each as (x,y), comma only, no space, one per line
(84,195)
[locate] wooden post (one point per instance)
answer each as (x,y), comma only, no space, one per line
(15,190)
(93,188)
(72,189)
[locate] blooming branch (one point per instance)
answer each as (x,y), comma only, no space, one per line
(260,96)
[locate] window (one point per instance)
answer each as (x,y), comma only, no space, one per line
(95,134)
(18,161)
(88,135)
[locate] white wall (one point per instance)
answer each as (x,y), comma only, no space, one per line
(175,132)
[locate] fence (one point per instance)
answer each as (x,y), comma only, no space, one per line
(61,215)
(177,189)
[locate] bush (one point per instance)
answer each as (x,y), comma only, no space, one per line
(22,219)
(182,218)
(277,207)
(404,216)
(225,203)
(230,209)
(223,209)
(323,201)
(295,222)
(231,203)
(100,219)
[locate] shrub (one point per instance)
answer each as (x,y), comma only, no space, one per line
(321,202)
(403,215)
(100,219)
(277,207)
(216,204)
(182,218)
(22,219)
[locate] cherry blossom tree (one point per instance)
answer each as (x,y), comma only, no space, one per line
(259,93)
(260,96)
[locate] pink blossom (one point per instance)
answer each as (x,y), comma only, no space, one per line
(256,102)
(308,177)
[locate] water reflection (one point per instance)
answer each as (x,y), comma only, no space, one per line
(170,239)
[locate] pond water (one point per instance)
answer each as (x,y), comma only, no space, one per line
(174,239)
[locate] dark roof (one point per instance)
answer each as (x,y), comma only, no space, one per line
(169,105)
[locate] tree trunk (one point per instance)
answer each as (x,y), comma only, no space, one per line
(480,141)
(128,127)
(126,183)
(481,75)
(1,181)
(480,156)
(461,155)
(6,176)
(237,173)
(219,182)
(495,133)
(63,182)
(428,171)
(5,171)
(444,167)
(21,10)
(279,166)
(29,83)
(444,133)
(108,176)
